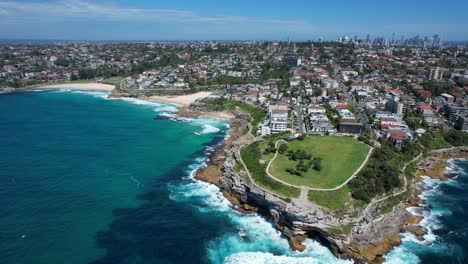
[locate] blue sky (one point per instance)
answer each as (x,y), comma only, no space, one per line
(230,20)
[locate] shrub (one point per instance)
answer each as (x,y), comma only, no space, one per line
(282,148)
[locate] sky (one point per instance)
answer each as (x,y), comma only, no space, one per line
(231,19)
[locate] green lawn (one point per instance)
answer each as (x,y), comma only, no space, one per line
(251,156)
(113,80)
(334,200)
(257,114)
(341,157)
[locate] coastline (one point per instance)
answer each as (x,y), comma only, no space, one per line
(185,111)
(435,166)
(184,100)
(404,220)
(93,86)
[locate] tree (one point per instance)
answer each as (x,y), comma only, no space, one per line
(317,161)
(283,148)
(456,137)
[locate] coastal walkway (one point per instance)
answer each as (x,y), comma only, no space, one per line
(239,158)
(366,213)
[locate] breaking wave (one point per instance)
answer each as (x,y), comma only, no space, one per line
(253,238)
(444,219)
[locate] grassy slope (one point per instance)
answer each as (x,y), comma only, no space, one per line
(251,156)
(334,200)
(341,156)
(257,114)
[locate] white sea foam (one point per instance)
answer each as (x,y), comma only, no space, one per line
(98,94)
(402,254)
(166,108)
(207,129)
(411,246)
(254,239)
(62,90)
(140,101)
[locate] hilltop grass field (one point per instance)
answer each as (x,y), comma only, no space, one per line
(341,157)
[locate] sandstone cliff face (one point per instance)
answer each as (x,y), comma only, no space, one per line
(367,242)
(372,235)
(295,222)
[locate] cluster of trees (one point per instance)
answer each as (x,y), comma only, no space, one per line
(380,175)
(282,148)
(224,79)
(281,72)
(299,154)
(365,137)
(166,60)
(271,147)
(224,104)
(456,137)
(305,161)
(444,139)
(332,115)
(437,88)
(62,62)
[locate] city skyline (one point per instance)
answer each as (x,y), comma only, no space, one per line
(242,20)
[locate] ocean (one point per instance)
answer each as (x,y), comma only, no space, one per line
(445,219)
(87,179)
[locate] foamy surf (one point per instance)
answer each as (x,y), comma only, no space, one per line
(412,247)
(98,94)
(207,129)
(253,239)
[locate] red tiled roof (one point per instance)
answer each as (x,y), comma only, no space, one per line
(387,119)
(425,107)
(397,134)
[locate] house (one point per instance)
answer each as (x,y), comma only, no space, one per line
(425,94)
(316,109)
(396,137)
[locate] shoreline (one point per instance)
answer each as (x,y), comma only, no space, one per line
(183,100)
(408,222)
(92,86)
(185,111)
(435,166)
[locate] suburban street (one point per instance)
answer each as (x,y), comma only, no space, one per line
(359,110)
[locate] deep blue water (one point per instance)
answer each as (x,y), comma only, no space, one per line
(92,180)
(447,222)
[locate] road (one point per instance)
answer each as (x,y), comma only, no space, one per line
(311,188)
(359,109)
(299,118)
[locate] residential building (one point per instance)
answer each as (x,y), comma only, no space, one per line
(278,118)
(395,106)
(436,73)
(351,126)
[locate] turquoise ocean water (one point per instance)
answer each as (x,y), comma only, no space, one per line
(87,179)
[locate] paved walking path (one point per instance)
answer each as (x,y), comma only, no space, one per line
(311,188)
(370,207)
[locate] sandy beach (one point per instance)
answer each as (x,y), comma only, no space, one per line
(78,86)
(184,100)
